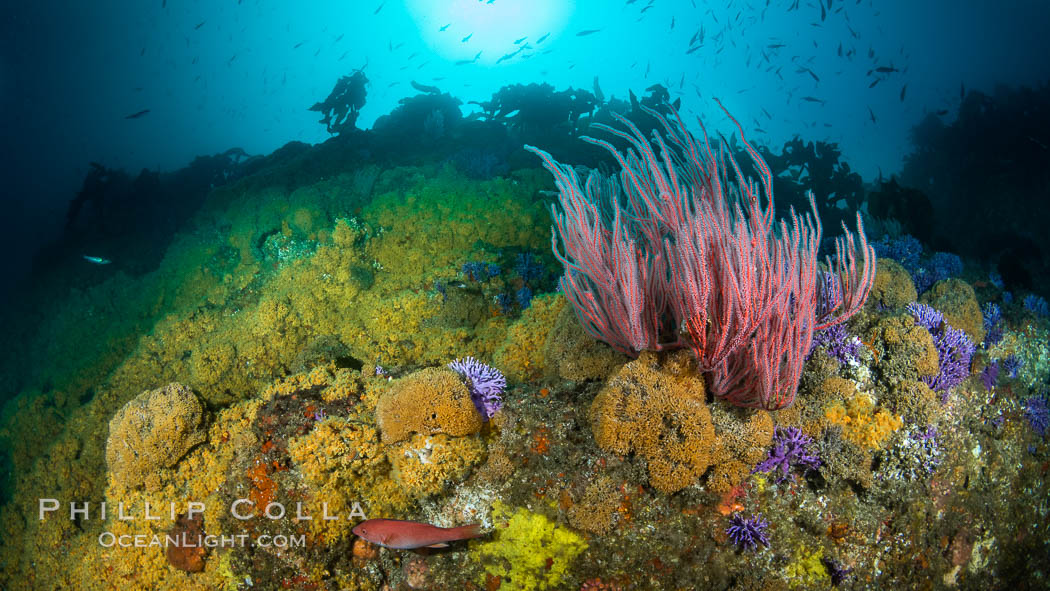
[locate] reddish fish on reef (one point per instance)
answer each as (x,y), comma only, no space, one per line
(408,535)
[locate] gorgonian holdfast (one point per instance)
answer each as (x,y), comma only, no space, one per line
(484,382)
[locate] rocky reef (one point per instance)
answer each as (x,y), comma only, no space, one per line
(286,367)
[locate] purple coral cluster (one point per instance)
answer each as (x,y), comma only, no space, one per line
(838,343)
(924,271)
(836,570)
(954,349)
(990,375)
(1012,365)
(1038,414)
(829,295)
(485,384)
(748,533)
(941,265)
(993,324)
(790,448)
(1037,305)
(905,249)
(480,271)
(527,267)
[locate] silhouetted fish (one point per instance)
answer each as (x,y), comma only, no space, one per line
(586,32)
(137,115)
(517,41)
(467,38)
(903,90)
(540,40)
(199,25)
(381,5)
(445,27)
(425,88)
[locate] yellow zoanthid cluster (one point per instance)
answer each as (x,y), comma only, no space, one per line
(520,356)
(152,432)
(432,400)
(343,462)
(956,299)
(426,465)
(742,440)
(527,550)
(893,286)
(198,477)
(658,412)
(571,354)
(441,219)
(862,423)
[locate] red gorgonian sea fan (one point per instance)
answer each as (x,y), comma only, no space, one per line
(676,251)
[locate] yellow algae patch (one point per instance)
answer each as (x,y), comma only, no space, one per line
(807,568)
(527,550)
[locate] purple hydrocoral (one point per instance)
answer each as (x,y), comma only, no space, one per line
(790,448)
(990,375)
(942,265)
(1037,305)
(837,342)
(748,533)
(1012,364)
(484,382)
(993,324)
(954,349)
(836,570)
(1038,414)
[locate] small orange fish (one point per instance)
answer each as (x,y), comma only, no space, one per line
(408,535)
